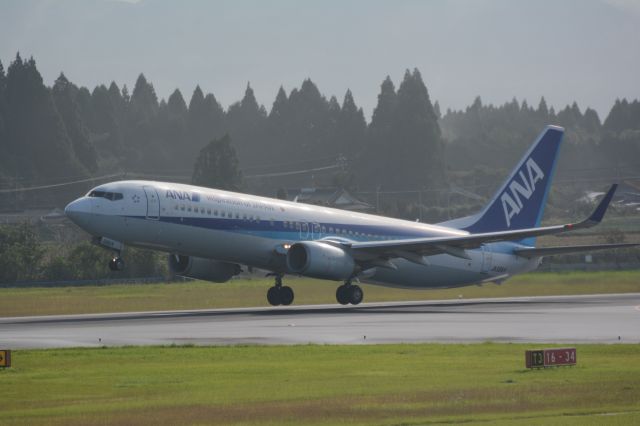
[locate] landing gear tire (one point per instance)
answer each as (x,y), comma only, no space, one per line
(286,295)
(342,295)
(349,294)
(116,264)
(273,296)
(280,296)
(355,294)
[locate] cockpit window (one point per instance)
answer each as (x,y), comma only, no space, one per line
(111,196)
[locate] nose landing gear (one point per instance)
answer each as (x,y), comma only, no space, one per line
(116,264)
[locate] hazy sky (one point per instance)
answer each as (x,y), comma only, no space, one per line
(586,50)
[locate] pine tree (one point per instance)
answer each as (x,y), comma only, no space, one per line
(619,117)
(144,101)
(107,117)
(247,123)
(591,121)
(279,128)
(385,109)
(380,136)
(351,128)
(141,128)
(436,109)
(217,166)
(543,111)
(3,112)
(206,121)
(417,154)
(37,140)
(64,96)
(176,104)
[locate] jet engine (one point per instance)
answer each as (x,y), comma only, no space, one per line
(320,260)
(202,269)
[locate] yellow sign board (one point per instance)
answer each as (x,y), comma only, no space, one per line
(5,358)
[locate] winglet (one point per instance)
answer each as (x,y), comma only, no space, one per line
(598,213)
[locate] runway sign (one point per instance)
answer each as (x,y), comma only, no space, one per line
(543,358)
(5,358)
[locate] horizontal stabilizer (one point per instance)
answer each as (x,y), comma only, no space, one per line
(551,251)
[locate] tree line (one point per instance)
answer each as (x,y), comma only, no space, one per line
(66,131)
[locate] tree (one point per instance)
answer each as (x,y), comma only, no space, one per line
(37,141)
(380,135)
(206,120)
(3,112)
(105,114)
(217,166)
(246,120)
(351,129)
(141,130)
(144,102)
(417,154)
(64,95)
(20,253)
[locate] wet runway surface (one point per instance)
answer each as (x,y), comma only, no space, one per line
(561,319)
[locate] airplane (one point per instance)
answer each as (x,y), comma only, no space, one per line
(210,233)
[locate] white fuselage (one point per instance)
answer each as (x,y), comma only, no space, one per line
(255,231)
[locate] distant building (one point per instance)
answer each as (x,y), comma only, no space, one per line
(330,197)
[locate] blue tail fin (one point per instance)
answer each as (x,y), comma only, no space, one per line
(520,202)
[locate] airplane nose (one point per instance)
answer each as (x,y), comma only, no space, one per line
(79,211)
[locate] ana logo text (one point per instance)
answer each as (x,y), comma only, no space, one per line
(525,187)
(182,195)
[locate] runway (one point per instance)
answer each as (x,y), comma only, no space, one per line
(556,319)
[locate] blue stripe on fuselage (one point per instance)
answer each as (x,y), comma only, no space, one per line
(277,231)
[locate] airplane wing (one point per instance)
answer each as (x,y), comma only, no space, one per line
(456,245)
(530,252)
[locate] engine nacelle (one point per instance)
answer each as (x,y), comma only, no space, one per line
(320,260)
(202,269)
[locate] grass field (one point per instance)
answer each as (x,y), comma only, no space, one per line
(379,384)
(240,293)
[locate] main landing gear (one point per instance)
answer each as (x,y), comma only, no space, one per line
(349,293)
(279,294)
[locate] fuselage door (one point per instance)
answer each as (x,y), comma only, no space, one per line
(304,230)
(153,203)
(316,233)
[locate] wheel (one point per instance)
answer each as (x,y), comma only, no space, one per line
(342,295)
(118,263)
(355,294)
(286,295)
(273,296)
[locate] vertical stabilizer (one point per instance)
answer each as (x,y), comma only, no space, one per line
(520,202)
